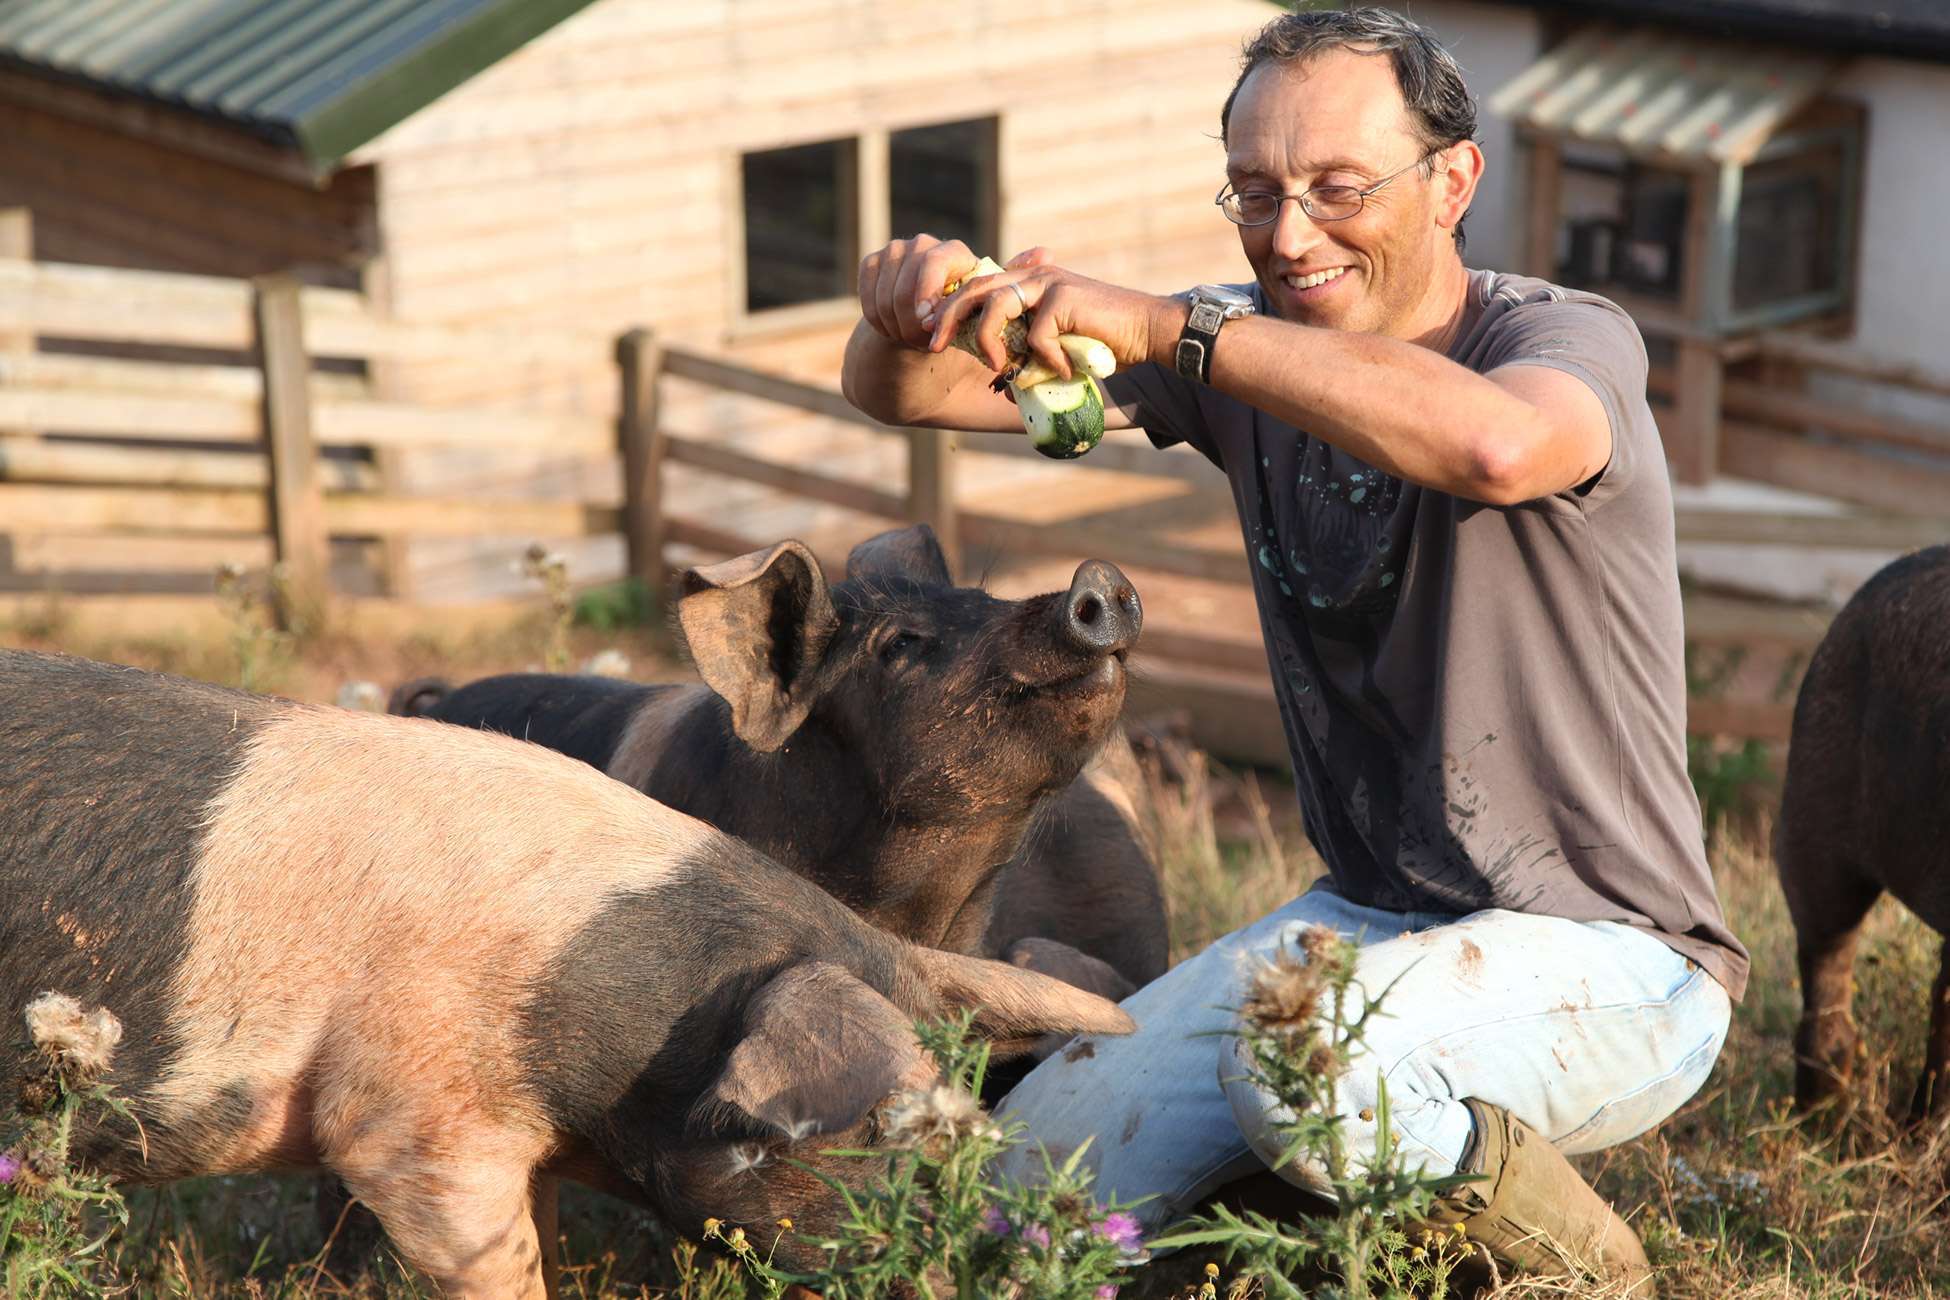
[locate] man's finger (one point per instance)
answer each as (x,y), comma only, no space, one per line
(1030,257)
(869,289)
(1041,340)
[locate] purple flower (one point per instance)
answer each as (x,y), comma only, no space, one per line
(9,1169)
(1121,1228)
(995,1222)
(1106,1292)
(1037,1235)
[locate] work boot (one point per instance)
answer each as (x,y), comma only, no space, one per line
(1531,1210)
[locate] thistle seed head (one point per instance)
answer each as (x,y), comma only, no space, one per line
(80,1044)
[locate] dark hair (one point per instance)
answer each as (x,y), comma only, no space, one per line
(1439,104)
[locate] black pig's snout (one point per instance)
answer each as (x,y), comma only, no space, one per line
(1102,613)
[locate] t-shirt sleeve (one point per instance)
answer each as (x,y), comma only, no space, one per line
(1164,405)
(1599,343)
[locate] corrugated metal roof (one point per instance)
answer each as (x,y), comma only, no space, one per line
(322,75)
(1662,94)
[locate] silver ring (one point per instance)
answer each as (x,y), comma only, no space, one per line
(1019,298)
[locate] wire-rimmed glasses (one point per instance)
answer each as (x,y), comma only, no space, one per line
(1322,202)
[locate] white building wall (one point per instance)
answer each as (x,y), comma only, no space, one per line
(1903,311)
(1493,43)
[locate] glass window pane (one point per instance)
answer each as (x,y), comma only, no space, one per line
(799,224)
(1790,240)
(941,180)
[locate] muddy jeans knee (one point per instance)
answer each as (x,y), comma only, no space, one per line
(1590,1032)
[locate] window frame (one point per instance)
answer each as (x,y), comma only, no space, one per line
(866,221)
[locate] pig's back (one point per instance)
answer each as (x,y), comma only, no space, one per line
(581,716)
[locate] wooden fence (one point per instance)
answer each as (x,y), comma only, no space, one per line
(153,425)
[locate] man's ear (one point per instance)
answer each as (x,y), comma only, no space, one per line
(758,627)
(821,1049)
(914,553)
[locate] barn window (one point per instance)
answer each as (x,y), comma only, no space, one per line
(942,180)
(801,223)
(812,210)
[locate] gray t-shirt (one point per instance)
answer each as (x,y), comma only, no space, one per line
(1485,706)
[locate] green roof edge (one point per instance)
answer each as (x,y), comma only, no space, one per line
(329,134)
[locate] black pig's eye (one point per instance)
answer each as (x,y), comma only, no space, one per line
(899,643)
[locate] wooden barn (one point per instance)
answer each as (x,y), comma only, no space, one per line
(712,170)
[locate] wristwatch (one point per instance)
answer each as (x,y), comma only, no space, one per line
(1212,306)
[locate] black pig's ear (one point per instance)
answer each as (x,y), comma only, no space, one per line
(758,627)
(821,1049)
(914,553)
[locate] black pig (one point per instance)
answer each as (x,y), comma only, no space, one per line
(894,739)
(1866,808)
(447,966)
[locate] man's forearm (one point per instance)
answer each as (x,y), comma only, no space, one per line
(1398,406)
(895,384)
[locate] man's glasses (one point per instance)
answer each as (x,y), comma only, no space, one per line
(1322,202)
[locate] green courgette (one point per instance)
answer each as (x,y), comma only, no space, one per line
(1064,418)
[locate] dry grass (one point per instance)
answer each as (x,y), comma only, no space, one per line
(1736,1198)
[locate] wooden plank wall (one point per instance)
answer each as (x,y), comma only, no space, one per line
(109,199)
(591,177)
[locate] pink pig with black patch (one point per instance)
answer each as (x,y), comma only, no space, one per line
(449,967)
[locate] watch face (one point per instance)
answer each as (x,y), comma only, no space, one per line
(1231,299)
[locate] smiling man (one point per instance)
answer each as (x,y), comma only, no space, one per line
(1458,508)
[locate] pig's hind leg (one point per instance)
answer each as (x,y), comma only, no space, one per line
(1932,1099)
(1827,899)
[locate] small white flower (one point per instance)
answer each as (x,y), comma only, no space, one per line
(607,663)
(83,1042)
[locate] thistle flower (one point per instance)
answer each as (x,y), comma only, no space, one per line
(1121,1228)
(943,1113)
(1283,995)
(80,1044)
(9,1169)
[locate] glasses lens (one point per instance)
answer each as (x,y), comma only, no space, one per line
(1333,202)
(1251,209)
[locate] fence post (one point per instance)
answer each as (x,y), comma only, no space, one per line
(16,242)
(931,488)
(1695,452)
(298,531)
(395,549)
(639,362)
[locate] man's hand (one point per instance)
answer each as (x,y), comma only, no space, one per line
(901,285)
(1057,302)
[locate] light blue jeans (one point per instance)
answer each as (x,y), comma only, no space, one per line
(1589,1032)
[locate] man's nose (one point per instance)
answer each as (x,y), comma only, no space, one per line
(1294,232)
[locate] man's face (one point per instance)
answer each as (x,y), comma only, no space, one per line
(1337,119)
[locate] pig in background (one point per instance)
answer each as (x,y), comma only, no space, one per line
(946,763)
(449,967)
(1866,809)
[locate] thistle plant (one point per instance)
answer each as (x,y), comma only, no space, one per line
(1303,1022)
(259,647)
(552,571)
(48,1211)
(933,1219)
